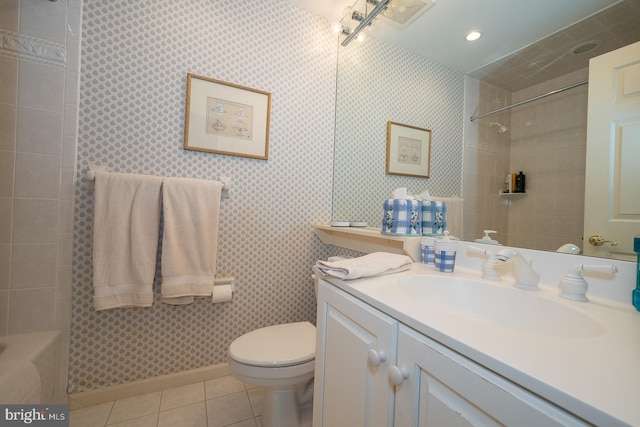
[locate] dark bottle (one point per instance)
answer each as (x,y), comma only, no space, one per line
(520,181)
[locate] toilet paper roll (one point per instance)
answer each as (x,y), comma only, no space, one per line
(222,293)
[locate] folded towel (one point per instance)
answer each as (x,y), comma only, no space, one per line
(374,264)
(125,239)
(190,238)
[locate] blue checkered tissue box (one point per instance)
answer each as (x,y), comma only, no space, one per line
(402,217)
(434,218)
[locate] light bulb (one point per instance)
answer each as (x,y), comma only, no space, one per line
(473,35)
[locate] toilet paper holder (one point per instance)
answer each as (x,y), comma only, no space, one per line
(223,289)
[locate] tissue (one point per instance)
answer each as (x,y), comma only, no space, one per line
(401,194)
(424,196)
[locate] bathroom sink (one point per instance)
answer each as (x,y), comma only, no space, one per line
(526,311)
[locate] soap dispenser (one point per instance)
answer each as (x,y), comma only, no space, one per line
(487,239)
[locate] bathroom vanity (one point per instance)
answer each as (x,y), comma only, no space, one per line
(424,348)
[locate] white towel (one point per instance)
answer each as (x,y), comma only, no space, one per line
(126,223)
(455,220)
(374,264)
(190,238)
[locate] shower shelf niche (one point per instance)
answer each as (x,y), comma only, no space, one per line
(507,198)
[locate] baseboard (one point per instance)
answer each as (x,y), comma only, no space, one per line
(149,385)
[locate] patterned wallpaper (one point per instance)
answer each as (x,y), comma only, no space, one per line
(378,82)
(135,57)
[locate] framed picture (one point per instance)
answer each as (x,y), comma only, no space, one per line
(226,118)
(408,150)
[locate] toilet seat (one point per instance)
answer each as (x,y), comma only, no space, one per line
(276,346)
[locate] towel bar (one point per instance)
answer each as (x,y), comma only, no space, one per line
(92,170)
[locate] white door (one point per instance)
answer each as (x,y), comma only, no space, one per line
(612,194)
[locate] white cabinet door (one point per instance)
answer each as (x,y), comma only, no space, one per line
(444,388)
(356,345)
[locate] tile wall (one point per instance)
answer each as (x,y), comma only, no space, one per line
(547,141)
(486,161)
(39,70)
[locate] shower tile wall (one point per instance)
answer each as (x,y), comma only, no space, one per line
(135,57)
(486,161)
(39,69)
(548,143)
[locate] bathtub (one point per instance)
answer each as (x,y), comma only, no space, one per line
(30,368)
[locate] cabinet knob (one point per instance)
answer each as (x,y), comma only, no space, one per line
(376,357)
(398,375)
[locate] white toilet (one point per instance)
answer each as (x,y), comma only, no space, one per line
(280,359)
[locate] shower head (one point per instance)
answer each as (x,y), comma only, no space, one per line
(501,128)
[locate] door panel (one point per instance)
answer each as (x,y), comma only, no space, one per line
(612,195)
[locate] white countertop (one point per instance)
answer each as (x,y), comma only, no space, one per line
(597,378)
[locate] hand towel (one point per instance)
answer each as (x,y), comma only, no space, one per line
(191,209)
(126,223)
(374,264)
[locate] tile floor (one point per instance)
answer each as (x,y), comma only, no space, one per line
(219,402)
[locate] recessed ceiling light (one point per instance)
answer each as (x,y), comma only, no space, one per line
(473,35)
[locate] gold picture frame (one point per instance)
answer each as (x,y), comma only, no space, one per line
(408,150)
(226,118)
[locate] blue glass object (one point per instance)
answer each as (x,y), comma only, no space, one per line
(636,291)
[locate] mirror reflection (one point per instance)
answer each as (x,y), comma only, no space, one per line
(546,138)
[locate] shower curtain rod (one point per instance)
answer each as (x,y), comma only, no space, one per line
(526,101)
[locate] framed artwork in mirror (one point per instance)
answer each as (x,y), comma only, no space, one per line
(408,150)
(226,118)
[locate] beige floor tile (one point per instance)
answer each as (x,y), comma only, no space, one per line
(181,396)
(229,409)
(146,421)
(229,403)
(194,415)
(135,407)
(255,398)
(246,423)
(91,416)
(221,386)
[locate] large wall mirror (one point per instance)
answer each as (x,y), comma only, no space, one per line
(546,138)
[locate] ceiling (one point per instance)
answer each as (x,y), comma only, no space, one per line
(523,42)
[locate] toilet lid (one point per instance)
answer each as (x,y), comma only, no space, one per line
(279,345)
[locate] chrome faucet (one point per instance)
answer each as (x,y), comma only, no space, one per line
(526,277)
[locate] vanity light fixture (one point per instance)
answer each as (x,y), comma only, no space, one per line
(399,13)
(358,16)
(472,36)
(364,19)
